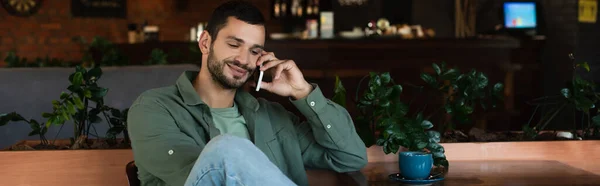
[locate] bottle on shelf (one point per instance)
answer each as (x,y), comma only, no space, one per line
(277,8)
(326,19)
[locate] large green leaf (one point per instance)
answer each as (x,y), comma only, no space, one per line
(375,81)
(385,78)
(596,120)
(421,144)
(565,92)
(43,130)
(441,162)
(437,69)
(428,79)
(584,65)
(80,69)
(482,80)
(116,121)
(5,118)
(34,132)
(74,88)
(498,89)
(34,125)
(439,155)
(95,73)
(339,96)
(55,103)
(398,109)
(65,116)
(115,130)
(71,107)
(396,91)
(435,147)
(87,93)
(384,103)
(64,95)
(98,92)
(434,136)
(369,96)
(50,121)
(77,79)
(426,124)
(78,103)
(117,113)
(451,74)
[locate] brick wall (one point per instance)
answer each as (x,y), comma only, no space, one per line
(49,32)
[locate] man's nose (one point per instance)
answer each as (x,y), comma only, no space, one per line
(243,57)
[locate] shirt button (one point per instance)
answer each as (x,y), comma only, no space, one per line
(170,152)
(328,126)
(312,103)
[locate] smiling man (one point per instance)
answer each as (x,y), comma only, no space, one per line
(206,130)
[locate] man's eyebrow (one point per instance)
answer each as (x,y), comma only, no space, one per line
(258,46)
(236,39)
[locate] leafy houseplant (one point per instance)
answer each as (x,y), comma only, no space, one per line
(384,119)
(84,105)
(382,107)
(461,94)
(578,96)
(157,57)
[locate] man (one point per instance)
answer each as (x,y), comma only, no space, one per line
(206,130)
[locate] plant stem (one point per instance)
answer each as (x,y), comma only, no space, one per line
(434,112)
(574,119)
(107,121)
(541,98)
(55,136)
(96,132)
(553,115)
(531,118)
(358,87)
(83,119)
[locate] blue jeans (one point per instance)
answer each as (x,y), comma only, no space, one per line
(230,160)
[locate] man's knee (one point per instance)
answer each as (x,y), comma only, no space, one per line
(228,147)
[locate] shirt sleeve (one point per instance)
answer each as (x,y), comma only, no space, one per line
(328,139)
(159,146)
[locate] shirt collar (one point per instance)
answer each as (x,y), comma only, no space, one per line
(191,97)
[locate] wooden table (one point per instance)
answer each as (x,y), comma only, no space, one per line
(506,172)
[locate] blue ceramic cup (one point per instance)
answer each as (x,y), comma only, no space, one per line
(415,165)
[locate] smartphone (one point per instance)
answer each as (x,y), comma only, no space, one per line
(260,77)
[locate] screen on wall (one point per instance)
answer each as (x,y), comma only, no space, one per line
(520,15)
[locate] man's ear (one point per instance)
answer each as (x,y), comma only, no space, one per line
(204,42)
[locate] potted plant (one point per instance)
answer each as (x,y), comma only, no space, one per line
(384,119)
(84,106)
(579,97)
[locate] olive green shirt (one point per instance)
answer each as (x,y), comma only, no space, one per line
(230,121)
(170,126)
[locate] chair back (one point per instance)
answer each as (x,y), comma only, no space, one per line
(131,171)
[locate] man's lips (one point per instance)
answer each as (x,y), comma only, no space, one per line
(237,69)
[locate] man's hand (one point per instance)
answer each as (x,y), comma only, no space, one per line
(287,78)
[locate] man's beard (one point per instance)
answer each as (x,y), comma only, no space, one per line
(216,69)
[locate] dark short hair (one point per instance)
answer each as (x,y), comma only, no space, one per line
(239,9)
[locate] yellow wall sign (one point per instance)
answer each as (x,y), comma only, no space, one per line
(588,11)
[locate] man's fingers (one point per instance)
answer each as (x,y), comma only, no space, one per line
(271,64)
(278,70)
(266,56)
(266,86)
